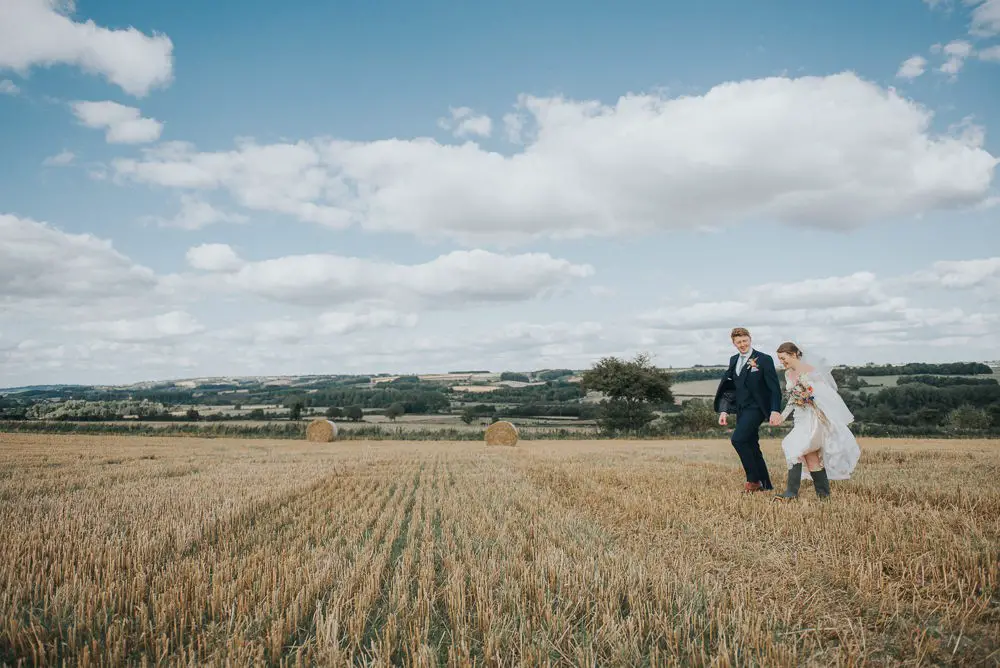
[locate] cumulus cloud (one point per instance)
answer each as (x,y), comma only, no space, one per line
(196,214)
(464,122)
(956,53)
(985,17)
(40,262)
(214,257)
(123,125)
(961,274)
(37,33)
(62,159)
(847,316)
(282,178)
(345,322)
(175,324)
(8,87)
(991,54)
(456,278)
(833,152)
(318,330)
(912,67)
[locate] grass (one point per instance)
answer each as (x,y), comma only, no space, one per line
(122,549)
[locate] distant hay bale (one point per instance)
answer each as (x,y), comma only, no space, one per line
(501,433)
(321,431)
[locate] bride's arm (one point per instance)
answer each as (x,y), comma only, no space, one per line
(789,407)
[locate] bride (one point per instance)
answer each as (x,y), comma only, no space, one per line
(820,438)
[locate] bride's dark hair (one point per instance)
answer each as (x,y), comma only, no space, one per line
(790,348)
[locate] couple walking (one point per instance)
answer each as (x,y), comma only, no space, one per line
(820,445)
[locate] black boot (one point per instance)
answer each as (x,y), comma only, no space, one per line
(792,486)
(822,483)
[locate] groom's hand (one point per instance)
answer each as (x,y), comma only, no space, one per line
(723,419)
(775,418)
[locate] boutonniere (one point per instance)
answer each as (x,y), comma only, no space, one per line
(752,363)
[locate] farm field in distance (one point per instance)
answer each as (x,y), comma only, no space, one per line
(182,550)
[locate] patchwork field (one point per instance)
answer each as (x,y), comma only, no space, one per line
(171,550)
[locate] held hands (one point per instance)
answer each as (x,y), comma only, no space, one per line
(723,419)
(776,419)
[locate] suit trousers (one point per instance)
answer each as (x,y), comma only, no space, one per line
(746,441)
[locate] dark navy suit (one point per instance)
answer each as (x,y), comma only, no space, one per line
(754,394)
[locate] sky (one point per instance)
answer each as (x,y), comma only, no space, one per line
(193,189)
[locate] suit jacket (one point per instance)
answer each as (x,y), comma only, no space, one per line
(757,385)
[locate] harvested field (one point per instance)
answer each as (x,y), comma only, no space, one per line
(121,550)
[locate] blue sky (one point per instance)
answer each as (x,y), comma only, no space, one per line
(194,189)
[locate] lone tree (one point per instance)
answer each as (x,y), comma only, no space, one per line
(394,411)
(631,389)
(354,413)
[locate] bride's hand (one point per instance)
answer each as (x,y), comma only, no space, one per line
(776,419)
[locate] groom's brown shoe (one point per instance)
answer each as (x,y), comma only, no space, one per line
(751,487)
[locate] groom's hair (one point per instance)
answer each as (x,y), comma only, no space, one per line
(739,331)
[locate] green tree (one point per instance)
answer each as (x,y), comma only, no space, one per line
(394,411)
(511,375)
(257,414)
(355,413)
(193,414)
(697,415)
(968,417)
(334,412)
(631,389)
(295,410)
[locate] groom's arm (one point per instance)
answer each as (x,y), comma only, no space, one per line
(721,400)
(773,386)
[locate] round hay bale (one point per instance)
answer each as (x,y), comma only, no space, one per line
(321,431)
(501,433)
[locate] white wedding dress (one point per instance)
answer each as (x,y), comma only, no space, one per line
(822,427)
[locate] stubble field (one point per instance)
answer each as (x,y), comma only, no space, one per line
(195,551)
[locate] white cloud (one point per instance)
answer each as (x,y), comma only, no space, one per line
(8,87)
(214,257)
(345,322)
(831,152)
(35,33)
(859,289)
(956,53)
(985,17)
(465,122)
(123,125)
(63,159)
(457,278)
(603,291)
(40,262)
(912,67)
(172,325)
(283,178)
(513,125)
(991,54)
(318,329)
(196,213)
(961,274)
(848,317)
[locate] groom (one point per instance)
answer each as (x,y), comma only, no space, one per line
(750,387)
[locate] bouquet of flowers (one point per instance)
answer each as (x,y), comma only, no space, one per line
(801,394)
